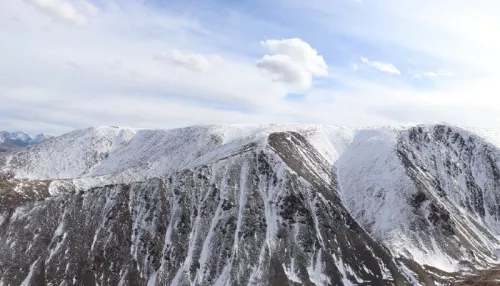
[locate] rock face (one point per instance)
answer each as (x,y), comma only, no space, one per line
(248,205)
(429,193)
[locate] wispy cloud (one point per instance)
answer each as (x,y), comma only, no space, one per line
(190,61)
(432,74)
(175,64)
(383,67)
(65,11)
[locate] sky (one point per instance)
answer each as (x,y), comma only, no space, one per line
(69,64)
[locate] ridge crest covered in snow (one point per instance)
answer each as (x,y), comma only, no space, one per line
(307,204)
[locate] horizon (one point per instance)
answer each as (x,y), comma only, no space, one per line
(266,125)
(70,64)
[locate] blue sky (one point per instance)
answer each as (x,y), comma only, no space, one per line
(70,64)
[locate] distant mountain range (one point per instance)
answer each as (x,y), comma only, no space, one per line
(252,205)
(15,140)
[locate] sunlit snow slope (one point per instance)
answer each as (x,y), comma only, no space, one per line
(250,204)
(429,193)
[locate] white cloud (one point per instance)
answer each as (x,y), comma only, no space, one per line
(286,70)
(465,34)
(293,61)
(301,52)
(190,61)
(383,67)
(431,74)
(116,66)
(91,8)
(61,10)
(118,82)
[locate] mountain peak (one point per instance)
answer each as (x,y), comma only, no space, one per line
(15,140)
(270,204)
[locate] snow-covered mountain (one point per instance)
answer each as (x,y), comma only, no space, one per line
(13,140)
(429,193)
(253,205)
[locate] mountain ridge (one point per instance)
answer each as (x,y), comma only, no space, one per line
(14,140)
(394,185)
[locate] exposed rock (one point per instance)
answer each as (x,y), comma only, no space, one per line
(219,205)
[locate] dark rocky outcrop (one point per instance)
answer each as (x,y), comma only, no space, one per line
(260,217)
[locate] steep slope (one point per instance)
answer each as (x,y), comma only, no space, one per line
(267,213)
(251,204)
(120,155)
(68,156)
(429,193)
